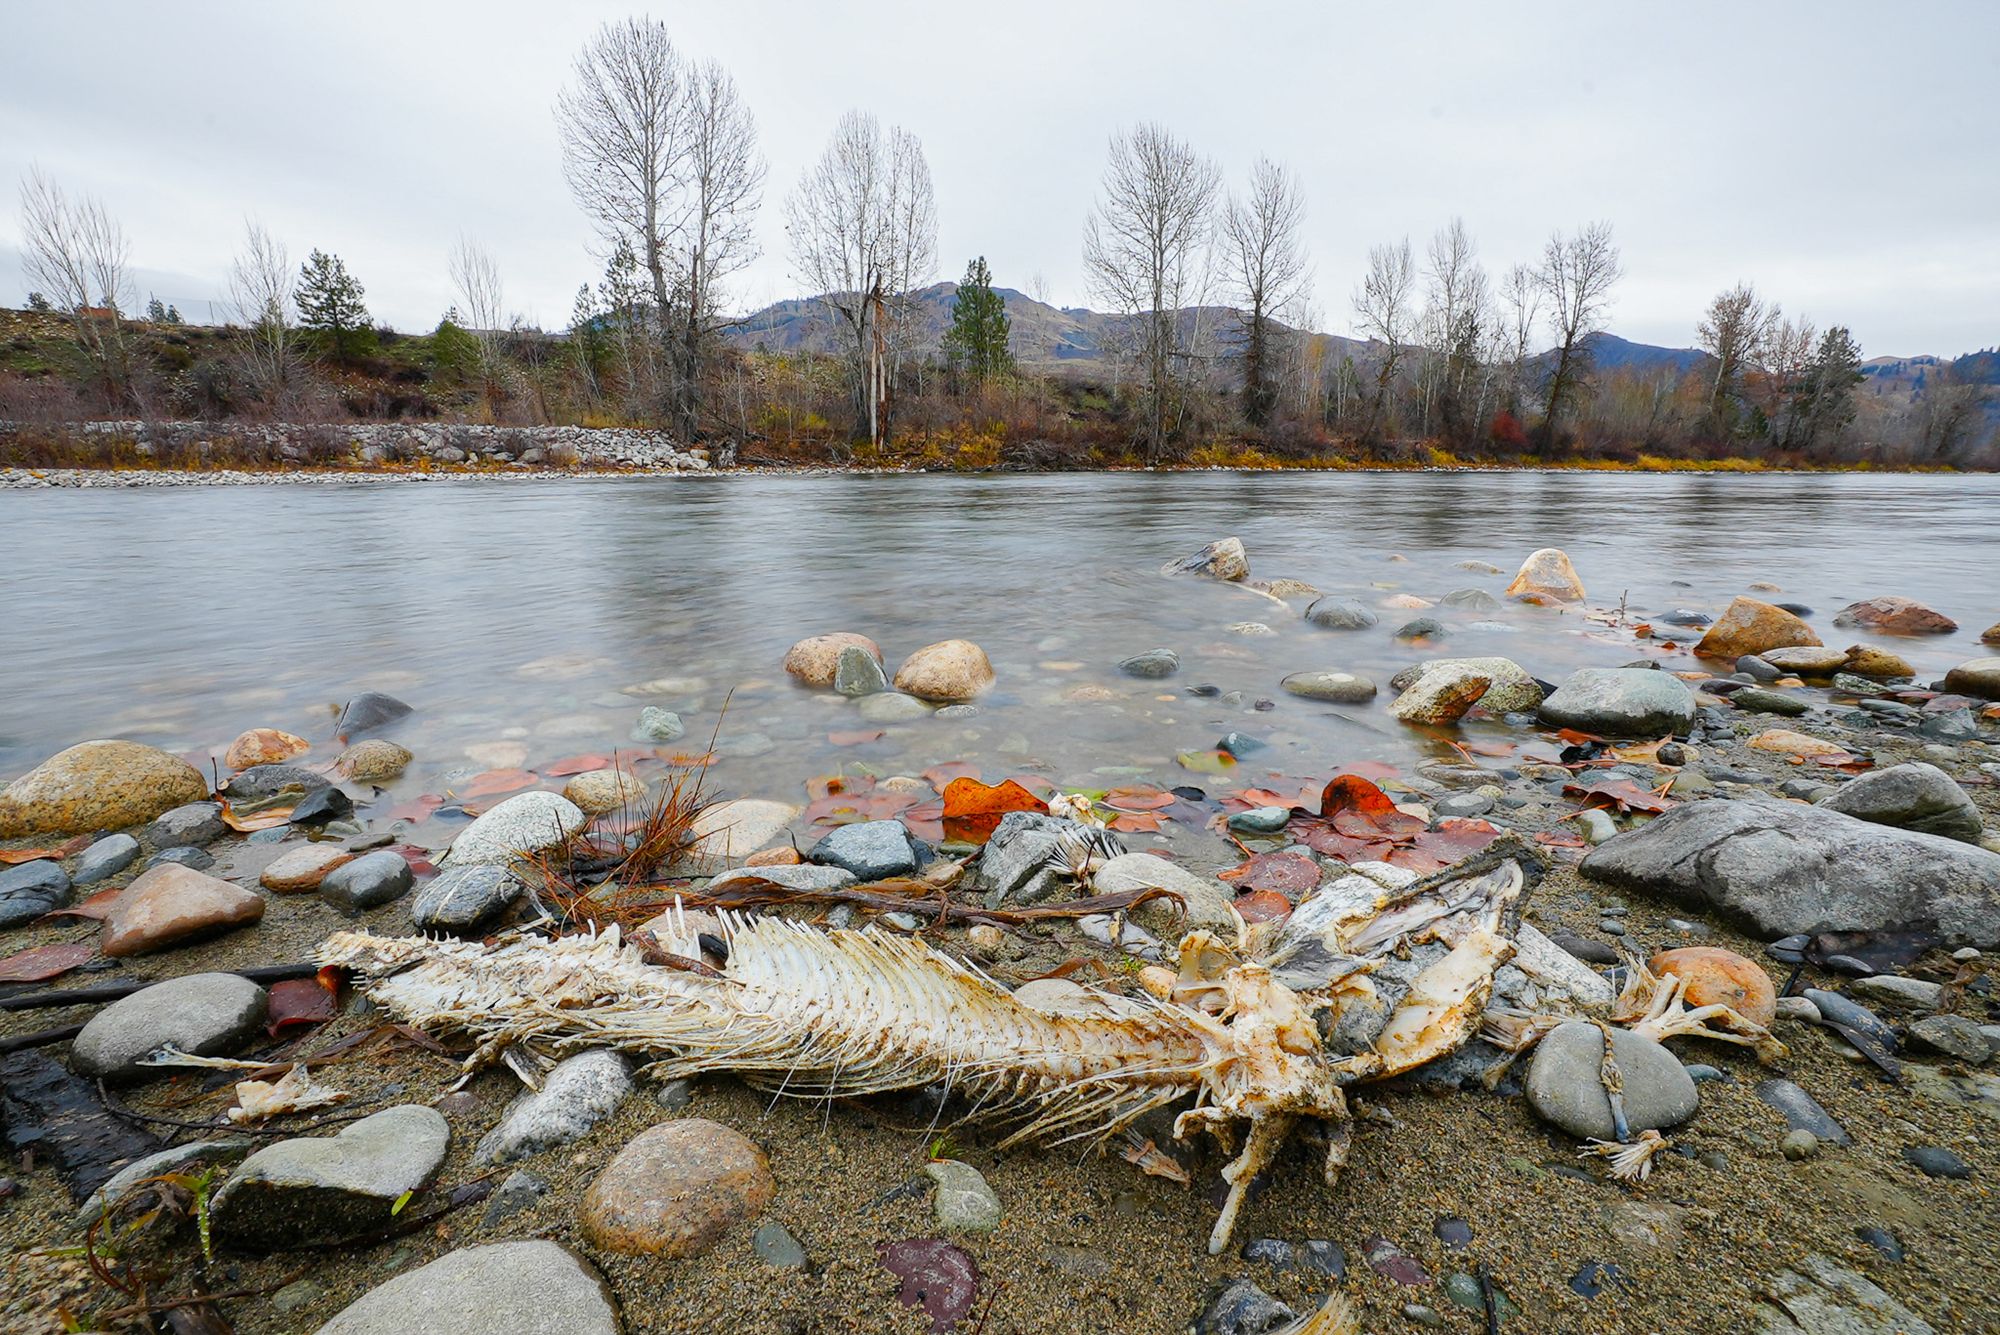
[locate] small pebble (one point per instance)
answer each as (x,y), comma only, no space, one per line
(1798,1145)
(1937,1161)
(1882,1240)
(1421,1315)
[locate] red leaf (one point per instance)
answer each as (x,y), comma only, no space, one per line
(418,858)
(1135,822)
(45,962)
(97,908)
(1138,799)
(1618,795)
(1455,840)
(416,811)
(857,736)
(1287,872)
(1558,839)
(496,781)
(1390,824)
(832,785)
(1263,906)
(18,855)
(298,1001)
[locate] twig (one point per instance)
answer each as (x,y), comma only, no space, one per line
(119,1110)
(86,996)
(40,1038)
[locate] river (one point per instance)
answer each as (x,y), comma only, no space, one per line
(520,611)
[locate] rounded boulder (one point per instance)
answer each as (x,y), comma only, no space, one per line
(815,659)
(946,672)
(676,1189)
(103,785)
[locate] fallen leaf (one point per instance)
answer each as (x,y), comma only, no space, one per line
(832,785)
(1618,795)
(1286,872)
(1647,753)
(857,736)
(568,765)
(97,908)
(297,1001)
(1352,792)
(1560,839)
(1263,906)
(936,1276)
(61,851)
(246,822)
(496,781)
(972,810)
(419,859)
(1135,822)
(1138,799)
(45,962)
(416,811)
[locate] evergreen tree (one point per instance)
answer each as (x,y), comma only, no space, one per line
(156,311)
(330,305)
(455,351)
(173,314)
(1825,401)
(976,343)
(38,302)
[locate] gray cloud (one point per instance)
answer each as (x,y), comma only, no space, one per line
(1839,155)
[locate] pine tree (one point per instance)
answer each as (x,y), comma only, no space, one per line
(156,311)
(330,305)
(976,343)
(1826,397)
(38,302)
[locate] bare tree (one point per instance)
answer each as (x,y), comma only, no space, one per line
(482,300)
(1384,311)
(1520,300)
(1145,251)
(1456,314)
(1784,363)
(260,291)
(1576,275)
(662,155)
(1266,254)
(863,226)
(1734,331)
(75,253)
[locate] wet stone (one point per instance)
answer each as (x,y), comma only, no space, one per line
(1328,1258)
(105,859)
(1241,1308)
(195,859)
(369,881)
(1391,1262)
(675,1190)
(871,850)
(1270,1251)
(506,1288)
(203,1015)
(1420,1315)
(964,1202)
(1801,1111)
(519,1192)
(1592,1277)
(323,806)
(1565,1085)
(194,824)
(775,1246)
(575,1096)
(1152,663)
(1952,1035)
(327,1188)
(1882,1240)
(31,889)
(1796,1145)
(465,899)
(658,725)
(1836,1008)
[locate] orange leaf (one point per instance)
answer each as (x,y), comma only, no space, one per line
(1135,822)
(972,810)
(74,846)
(1138,799)
(266,819)
(557,769)
(1351,792)
(1263,906)
(97,908)
(857,736)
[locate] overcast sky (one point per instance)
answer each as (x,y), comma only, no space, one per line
(1841,156)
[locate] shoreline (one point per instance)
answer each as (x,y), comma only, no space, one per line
(50,479)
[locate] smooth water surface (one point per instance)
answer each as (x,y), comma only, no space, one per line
(520,610)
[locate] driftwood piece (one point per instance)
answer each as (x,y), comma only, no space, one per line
(125,987)
(45,1108)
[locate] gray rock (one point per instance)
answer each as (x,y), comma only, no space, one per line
(575,1096)
(1596,825)
(964,1202)
(524,823)
(508,1288)
(803,876)
(871,850)
(1207,899)
(1897,991)
(892,707)
(1911,797)
(1976,677)
(202,1014)
(658,725)
(29,890)
(858,672)
(195,824)
(775,1246)
(1802,1112)
(1823,1298)
(1955,725)
(1016,865)
(1786,868)
(105,859)
(1621,702)
(1421,628)
(370,711)
(1460,805)
(369,881)
(1797,1145)
(1512,689)
(200,859)
(1152,663)
(1339,614)
(1954,1036)
(1848,1014)
(1758,669)
(1756,700)
(519,1192)
(194,1154)
(1565,1085)
(261,782)
(1937,1161)
(465,899)
(324,806)
(1341,688)
(329,1188)
(1241,1308)
(1222,559)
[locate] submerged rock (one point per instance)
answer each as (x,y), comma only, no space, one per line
(1628,702)
(857,672)
(1912,797)
(1339,614)
(104,785)
(264,746)
(369,712)
(1441,696)
(1152,663)
(658,725)
(1748,626)
(1896,616)
(1223,559)
(816,659)
(1341,688)
(1787,868)
(1512,689)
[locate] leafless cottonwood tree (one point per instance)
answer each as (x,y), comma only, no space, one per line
(1735,331)
(76,253)
(482,299)
(1521,303)
(662,154)
(260,291)
(1384,310)
(1263,236)
(1577,274)
(1145,252)
(1451,379)
(863,230)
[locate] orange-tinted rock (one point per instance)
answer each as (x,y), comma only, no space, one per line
(1895,616)
(1547,574)
(675,1190)
(1718,977)
(814,659)
(1992,635)
(302,869)
(171,904)
(948,671)
(264,746)
(1865,660)
(774,857)
(1751,627)
(98,786)
(1785,742)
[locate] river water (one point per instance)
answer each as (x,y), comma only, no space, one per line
(522,610)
